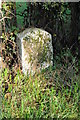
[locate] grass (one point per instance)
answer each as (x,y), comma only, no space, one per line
(48,94)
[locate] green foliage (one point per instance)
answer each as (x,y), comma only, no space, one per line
(19,13)
(53,93)
(41,96)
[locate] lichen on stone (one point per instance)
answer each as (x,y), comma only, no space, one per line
(37,49)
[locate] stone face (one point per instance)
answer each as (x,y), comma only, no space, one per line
(35,49)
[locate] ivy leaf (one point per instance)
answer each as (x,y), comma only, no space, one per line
(68,12)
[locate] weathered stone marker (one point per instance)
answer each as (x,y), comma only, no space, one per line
(35,49)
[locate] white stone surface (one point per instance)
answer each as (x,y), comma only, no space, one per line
(35,49)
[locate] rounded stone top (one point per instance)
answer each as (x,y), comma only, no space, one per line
(32,30)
